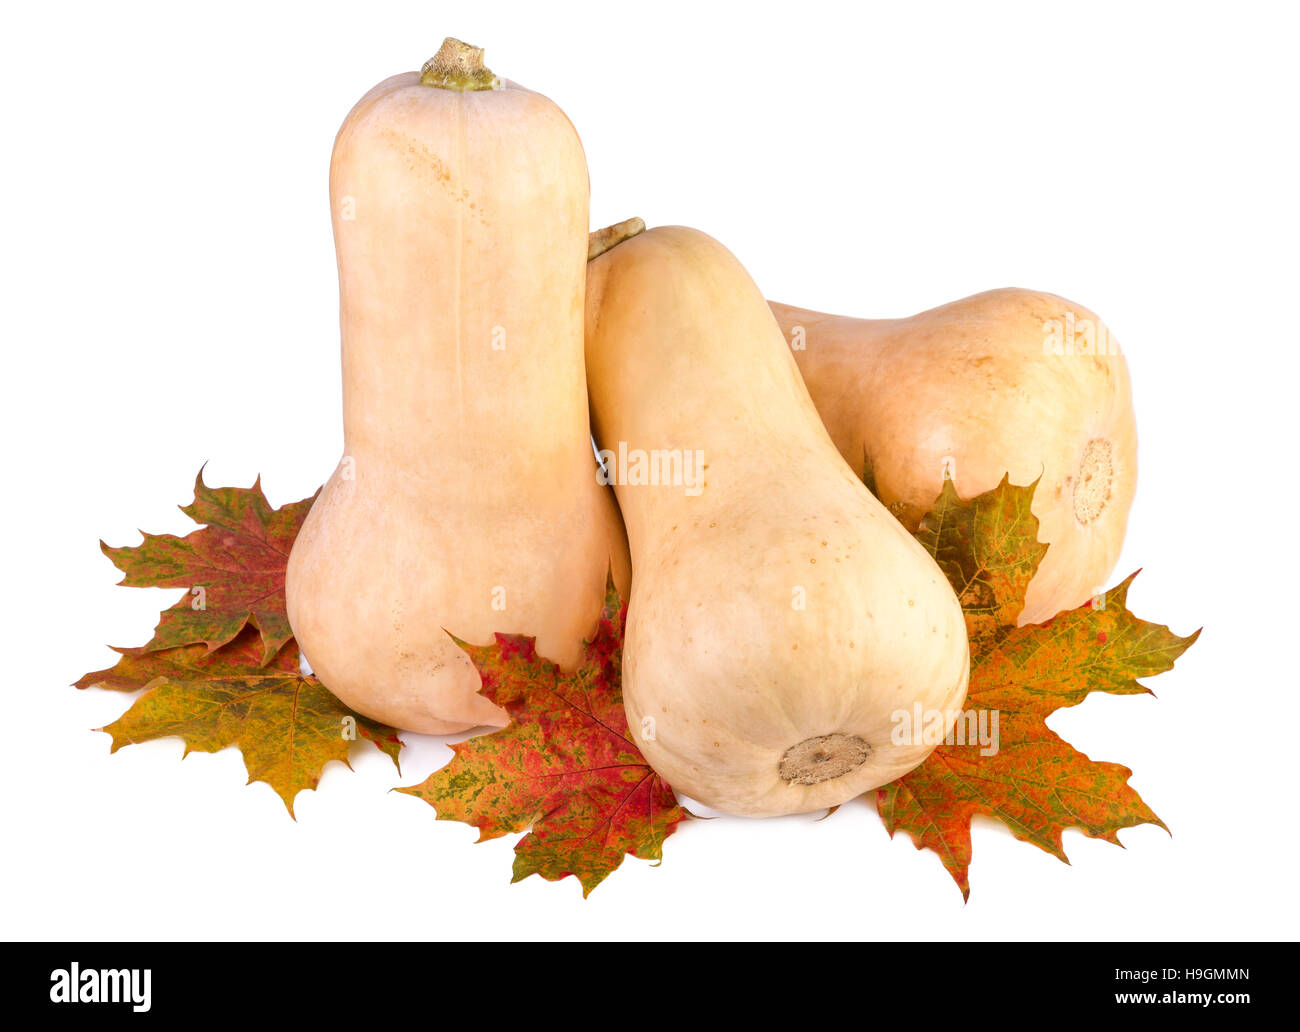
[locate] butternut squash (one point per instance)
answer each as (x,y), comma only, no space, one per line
(1009,381)
(779,620)
(467,499)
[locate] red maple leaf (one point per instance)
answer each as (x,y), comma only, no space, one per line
(565,767)
(232,568)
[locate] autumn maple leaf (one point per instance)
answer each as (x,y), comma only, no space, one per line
(565,767)
(1035,783)
(227,672)
(287,725)
(232,568)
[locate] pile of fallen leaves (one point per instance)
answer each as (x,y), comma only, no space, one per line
(222,669)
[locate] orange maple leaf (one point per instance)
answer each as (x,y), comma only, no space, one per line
(1035,782)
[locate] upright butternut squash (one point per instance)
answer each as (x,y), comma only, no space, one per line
(779,619)
(1009,381)
(467,499)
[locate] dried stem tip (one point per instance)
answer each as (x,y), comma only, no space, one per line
(824,758)
(458,66)
(611,236)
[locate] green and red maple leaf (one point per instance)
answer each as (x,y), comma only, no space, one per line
(232,569)
(566,771)
(226,672)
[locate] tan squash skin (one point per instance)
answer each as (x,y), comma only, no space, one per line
(972,382)
(467,468)
(730,676)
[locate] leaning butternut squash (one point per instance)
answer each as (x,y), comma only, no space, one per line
(467,500)
(1006,382)
(780,620)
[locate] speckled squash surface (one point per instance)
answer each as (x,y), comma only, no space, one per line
(1006,382)
(779,618)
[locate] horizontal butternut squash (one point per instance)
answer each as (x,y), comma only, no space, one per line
(1006,382)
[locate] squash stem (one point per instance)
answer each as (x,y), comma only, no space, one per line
(458,66)
(611,236)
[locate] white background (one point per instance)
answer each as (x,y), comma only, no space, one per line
(169,297)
